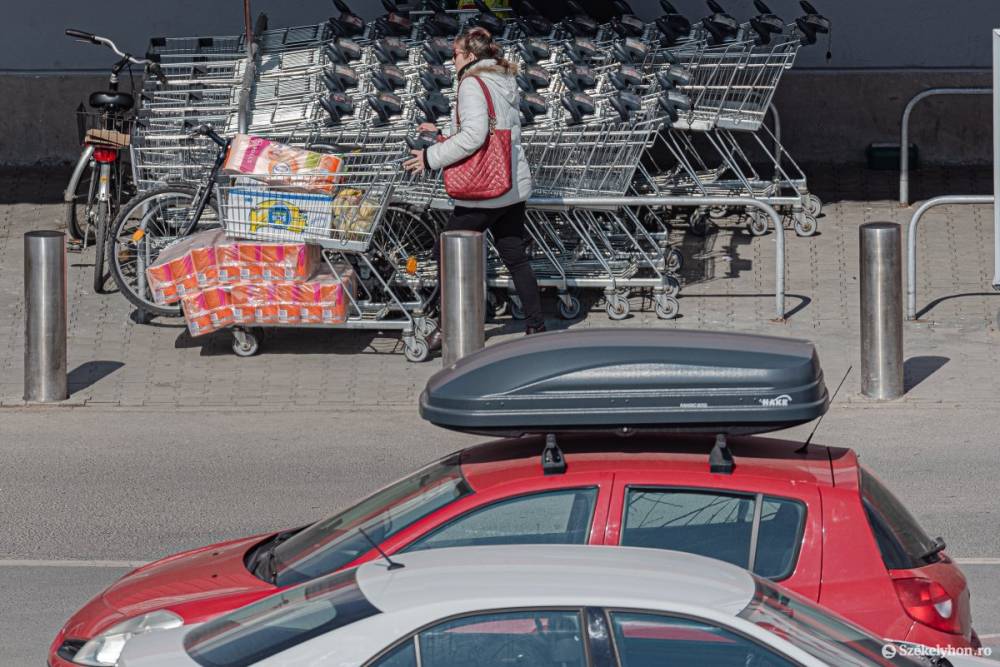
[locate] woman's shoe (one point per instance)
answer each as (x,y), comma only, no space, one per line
(533,330)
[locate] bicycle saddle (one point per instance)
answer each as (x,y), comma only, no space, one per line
(340,78)
(629,51)
(385,105)
(434,106)
(435,78)
(580,49)
(533,50)
(578,105)
(628,25)
(388,78)
(111,101)
(342,51)
(532,105)
(626,78)
(337,105)
(672,77)
(390,50)
(532,78)
(812,23)
(437,51)
(578,78)
(625,103)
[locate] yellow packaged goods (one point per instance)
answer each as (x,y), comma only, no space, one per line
(353,211)
(282,165)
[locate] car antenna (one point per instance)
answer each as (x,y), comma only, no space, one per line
(805,445)
(393,565)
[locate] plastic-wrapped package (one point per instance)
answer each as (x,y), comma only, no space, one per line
(208,310)
(185,266)
(281,165)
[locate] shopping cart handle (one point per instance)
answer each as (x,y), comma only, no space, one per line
(421,141)
(761,7)
(667,7)
(157,71)
(715,7)
(807,7)
(342,6)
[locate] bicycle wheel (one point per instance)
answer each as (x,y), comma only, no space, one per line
(100,241)
(144,227)
(80,211)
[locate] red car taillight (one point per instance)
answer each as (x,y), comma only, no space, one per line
(105,154)
(927,602)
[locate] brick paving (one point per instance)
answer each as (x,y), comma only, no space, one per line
(728,284)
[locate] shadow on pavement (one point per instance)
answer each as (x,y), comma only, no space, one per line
(918,369)
(936,302)
(90,372)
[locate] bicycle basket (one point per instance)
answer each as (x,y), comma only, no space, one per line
(100,128)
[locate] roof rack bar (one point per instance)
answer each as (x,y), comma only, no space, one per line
(720,460)
(553,462)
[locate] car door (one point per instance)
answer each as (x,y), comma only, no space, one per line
(772,527)
(558,509)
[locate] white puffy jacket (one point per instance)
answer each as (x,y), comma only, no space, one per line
(475,126)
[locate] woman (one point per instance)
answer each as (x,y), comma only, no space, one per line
(476,54)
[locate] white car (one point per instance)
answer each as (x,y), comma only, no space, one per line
(566,606)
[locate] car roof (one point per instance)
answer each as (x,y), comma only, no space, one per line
(503,461)
(554,575)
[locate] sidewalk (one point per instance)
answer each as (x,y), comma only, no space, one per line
(729,284)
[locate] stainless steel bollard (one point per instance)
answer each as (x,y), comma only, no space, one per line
(45,316)
(463,294)
(881,311)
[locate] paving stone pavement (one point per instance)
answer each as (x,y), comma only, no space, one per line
(728,285)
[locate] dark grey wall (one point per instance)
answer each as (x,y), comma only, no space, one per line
(878,34)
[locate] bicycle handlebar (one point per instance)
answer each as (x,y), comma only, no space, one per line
(81,35)
(97,39)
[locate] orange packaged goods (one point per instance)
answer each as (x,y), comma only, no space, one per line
(282,165)
(208,310)
(184,267)
(249,261)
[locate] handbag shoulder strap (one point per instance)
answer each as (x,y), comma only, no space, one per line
(490,111)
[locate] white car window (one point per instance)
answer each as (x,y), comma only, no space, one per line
(654,640)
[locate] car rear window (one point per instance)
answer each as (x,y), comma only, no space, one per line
(718,525)
(279,622)
(901,540)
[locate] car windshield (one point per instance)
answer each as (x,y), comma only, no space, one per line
(331,544)
(816,631)
(279,622)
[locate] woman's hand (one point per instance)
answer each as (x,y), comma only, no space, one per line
(415,165)
(427,127)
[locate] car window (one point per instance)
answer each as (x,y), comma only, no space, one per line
(329,545)
(717,525)
(529,638)
(901,541)
(404,655)
(655,640)
(279,622)
(778,537)
(551,517)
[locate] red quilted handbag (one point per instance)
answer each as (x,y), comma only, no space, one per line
(486,173)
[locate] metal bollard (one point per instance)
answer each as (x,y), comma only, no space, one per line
(463,294)
(881,311)
(45,316)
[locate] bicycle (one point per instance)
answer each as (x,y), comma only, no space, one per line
(92,201)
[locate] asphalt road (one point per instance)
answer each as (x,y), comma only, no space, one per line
(118,485)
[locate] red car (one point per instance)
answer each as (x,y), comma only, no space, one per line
(816,521)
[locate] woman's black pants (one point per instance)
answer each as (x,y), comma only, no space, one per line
(507,225)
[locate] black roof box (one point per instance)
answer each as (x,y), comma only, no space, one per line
(611,379)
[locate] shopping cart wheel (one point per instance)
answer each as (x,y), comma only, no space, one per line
(717,212)
(667,307)
(805,224)
(570,308)
(245,344)
(416,350)
(674,260)
(618,307)
(812,205)
(427,326)
(671,286)
(699,223)
(758,223)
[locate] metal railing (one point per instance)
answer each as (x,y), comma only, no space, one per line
(911,242)
(604,202)
(904,133)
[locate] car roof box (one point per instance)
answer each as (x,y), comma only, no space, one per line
(630,379)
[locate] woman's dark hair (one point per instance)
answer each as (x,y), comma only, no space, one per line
(479,42)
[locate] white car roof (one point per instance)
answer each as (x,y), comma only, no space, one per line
(559,574)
